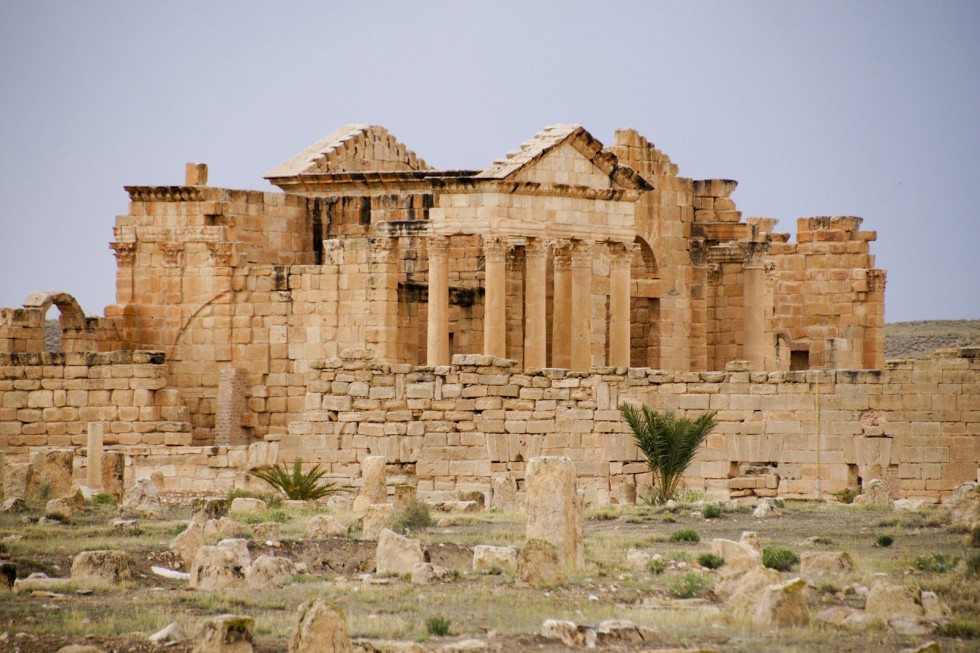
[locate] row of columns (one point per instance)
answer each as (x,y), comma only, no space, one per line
(572,311)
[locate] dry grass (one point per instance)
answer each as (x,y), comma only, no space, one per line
(919,339)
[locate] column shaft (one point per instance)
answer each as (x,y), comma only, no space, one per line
(495,297)
(581,306)
(437,328)
(619,304)
(535,310)
(561,318)
(753,321)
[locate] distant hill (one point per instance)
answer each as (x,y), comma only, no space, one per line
(902,339)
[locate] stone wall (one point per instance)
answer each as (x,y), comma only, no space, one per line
(475,423)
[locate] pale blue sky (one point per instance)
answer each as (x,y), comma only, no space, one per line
(816,108)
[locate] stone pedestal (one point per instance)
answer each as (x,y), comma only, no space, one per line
(552,508)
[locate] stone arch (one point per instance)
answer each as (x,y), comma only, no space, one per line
(644,262)
(72,316)
(644,307)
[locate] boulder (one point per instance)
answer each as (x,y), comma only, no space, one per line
(220,528)
(320,628)
(188,542)
(129,527)
(842,616)
(142,501)
(397,555)
(765,510)
(52,474)
(910,505)
(616,631)
(424,573)
(553,509)
(59,509)
(211,508)
(247,506)
(216,568)
(738,556)
(886,600)
(752,539)
(784,604)
(76,498)
(814,564)
(323,526)
(875,494)
(16,479)
(227,633)
(269,531)
(13,505)
(270,571)
(168,636)
(964,504)
(376,518)
(637,560)
(239,547)
(539,565)
(568,632)
(102,568)
(742,591)
(494,559)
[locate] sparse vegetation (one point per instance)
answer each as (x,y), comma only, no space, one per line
(413,518)
(847,495)
(668,443)
(779,558)
(438,625)
(712,511)
(710,560)
(684,535)
(935,562)
(104,499)
(687,585)
(884,540)
(657,566)
(306,486)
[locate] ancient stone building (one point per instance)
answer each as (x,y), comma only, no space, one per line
(565,254)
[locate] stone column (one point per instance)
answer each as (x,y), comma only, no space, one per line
(93,473)
(561,319)
(754,313)
(437,349)
(382,320)
(552,508)
(375,475)
(581,306)
(495,297)
(619,303)
(535,310)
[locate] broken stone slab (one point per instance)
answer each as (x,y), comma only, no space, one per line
(239,547)
(816,564)
(220,529)
(752,539)
(40,582)
(187,543)
(59,510)
(130,527)
(80,648)
(765,510)
(875,494)
(211,508)
(624,631)
(964,504)
(102,568)
(784,604)
(911,505)
(14,505)
(471,645)
(173,574)
(906,624)
(738,556)
(387,646)
(842,616)
(320,628)
(553,508)
(169,635)
(424,573)
(494,559)
(568,632)
(538,565)
(267,531)
(323,526)
(886,600)
(396,554)
(247,506)
(374,472)
(270,571)
(216,568)
(405,494)
(52,470)
(742,591)
(227,633)
(142,500)
(376,518)
(460,506)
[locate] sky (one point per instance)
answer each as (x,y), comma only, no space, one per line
(816,108)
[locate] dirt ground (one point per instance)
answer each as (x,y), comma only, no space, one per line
(491,606)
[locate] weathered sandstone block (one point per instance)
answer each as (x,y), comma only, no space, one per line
(539,565)
(397,555)
(227,633)
(102,568)
(320,628)
(216,568)
(553,509)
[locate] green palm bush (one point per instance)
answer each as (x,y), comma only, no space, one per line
(297,484)
(669,443)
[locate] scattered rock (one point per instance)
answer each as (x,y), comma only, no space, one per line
(738,556)
(785,604)
(743,591)
(376,518)
(424,573)
(102,568)
(387,646)
(270,571)
(876,494)
(494,559)
(215,568)
(538,565)
(170,573)
(188,542)
(910,505)
(320,628)
(765,510)
(267,531)
(8,574)
(142,501)
(397,555)
(933,607)
(247,506)
(227,633)
(220,528)
(323,526)
(886,600)
(13,505)
(964,504)
(637,560)
(460,506)
(212,508)
(469,646)
(80,648)
(568,632)
(814,564)
(621,630)
(906,624)
(844,617)
(928,647)
(40,582)
(170,635)
(59,510)
(239,547)
(752,539)
(130,527)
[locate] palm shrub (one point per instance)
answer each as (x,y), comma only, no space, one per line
(668,443)
(297,484)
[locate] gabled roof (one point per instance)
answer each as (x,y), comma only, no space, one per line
(552,137)
(352,148)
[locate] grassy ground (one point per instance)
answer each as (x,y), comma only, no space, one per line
(478,605)
(919,339)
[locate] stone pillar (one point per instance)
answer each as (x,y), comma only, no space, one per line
(382,282)
(374,471)
(561,324)
(113,473)
(581,306)
(93,473)
(535,309)
(495,297)
(437,350)
(232,402)
(553,509)
(754,314)
(619,304)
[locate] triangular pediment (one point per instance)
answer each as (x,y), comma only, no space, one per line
(565,155)
(353,148)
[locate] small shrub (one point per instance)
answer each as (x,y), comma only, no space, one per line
(961,629)
(685,535)
(657,566)
(278,516)
(884,540)
(936,562)
(846,495)
(669,518)
(710,560)
(305,486)
(779,558)
(415,517)
(438,625)
(973,565)
(712,511)
(104,499)
(687,585)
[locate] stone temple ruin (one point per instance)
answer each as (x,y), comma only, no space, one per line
(461,322)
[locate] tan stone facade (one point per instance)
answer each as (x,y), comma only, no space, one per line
(565,254)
